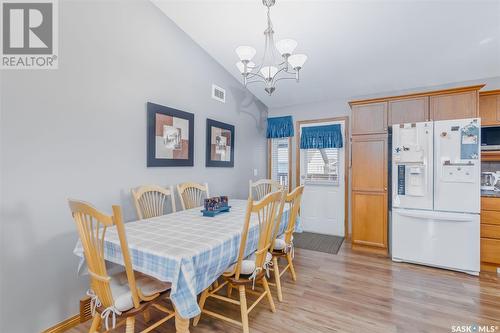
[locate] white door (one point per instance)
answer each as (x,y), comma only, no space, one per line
(322,174)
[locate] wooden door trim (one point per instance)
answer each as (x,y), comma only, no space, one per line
(269,161)
(419,94)
(347,155)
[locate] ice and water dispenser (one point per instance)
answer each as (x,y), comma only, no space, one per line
(412,163)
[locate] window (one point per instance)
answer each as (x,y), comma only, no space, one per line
(322,165)
(280,154)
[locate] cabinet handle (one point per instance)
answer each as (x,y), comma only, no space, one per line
(385,188)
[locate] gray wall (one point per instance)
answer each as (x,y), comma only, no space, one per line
(79,132)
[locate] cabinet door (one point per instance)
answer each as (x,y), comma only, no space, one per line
(369,221)
(454,106)
(489,109)
(369,163)
(369,118)
(412,110)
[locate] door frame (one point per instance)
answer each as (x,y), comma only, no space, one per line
(345,119)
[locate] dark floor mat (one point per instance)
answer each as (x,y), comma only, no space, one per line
(318,242)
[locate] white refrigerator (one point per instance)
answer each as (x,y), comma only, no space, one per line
(436,168)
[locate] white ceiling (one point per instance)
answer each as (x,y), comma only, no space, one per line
(354,47)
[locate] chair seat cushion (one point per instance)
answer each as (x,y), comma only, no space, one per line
(279,243)
(248,264)
(146,284)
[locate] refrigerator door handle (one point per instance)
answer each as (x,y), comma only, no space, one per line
(428,215)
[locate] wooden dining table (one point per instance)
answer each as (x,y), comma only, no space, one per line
(186,249)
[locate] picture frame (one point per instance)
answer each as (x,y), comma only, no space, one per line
(170,137)
(219,144)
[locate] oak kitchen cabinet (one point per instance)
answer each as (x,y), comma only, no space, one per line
(489,108)
(490,233)
(408,110)
(371,119)
(454,106)
(369,192)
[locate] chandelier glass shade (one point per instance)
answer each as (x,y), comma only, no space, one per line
(278,63)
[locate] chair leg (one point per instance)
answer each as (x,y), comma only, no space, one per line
(147,315)
(269,296)
(130,325)
(292,269)
(244,310)
(203,298)
(94,328)
(277,278)
(229,290)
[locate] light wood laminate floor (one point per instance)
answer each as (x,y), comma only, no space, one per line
(353,292)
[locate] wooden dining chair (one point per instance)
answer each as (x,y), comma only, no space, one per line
(123,295)
(151,200)
(252,270)
(282,246)
(192,194)
(262,187)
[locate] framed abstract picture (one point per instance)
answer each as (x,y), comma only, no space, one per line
(170,139)
(220,144)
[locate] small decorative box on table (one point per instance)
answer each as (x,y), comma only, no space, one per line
(216,205)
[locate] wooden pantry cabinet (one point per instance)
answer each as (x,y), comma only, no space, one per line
(371,120)
(369,193)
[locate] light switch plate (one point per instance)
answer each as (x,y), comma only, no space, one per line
(255,172)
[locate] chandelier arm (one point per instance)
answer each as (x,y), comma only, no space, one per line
(254,81)
(285,78)
(256,75)
(279,71)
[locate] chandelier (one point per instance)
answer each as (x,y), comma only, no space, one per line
(273,67)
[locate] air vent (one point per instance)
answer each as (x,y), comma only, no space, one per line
(218,93)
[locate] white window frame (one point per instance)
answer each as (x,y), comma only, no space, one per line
(329,178)
(270,161)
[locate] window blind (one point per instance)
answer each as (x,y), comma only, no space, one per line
(279,160)
(322,165)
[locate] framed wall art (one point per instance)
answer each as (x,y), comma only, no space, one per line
(220,144)
(170,140)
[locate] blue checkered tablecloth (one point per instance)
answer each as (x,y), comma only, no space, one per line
(186,249)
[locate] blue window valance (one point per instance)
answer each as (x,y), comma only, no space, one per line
(327,136)
(279,127)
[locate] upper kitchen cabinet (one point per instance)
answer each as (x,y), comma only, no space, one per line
(489,108)
(408,110)
(369,118)
(458,105)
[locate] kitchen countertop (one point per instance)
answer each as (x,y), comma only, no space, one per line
(491,194)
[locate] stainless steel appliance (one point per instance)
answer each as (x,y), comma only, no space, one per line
(490,138)
(489,181)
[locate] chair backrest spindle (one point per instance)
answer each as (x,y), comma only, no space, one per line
(92,226)
(150,200)
(262,187)
(265,211)
(292,200)
(192,194)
